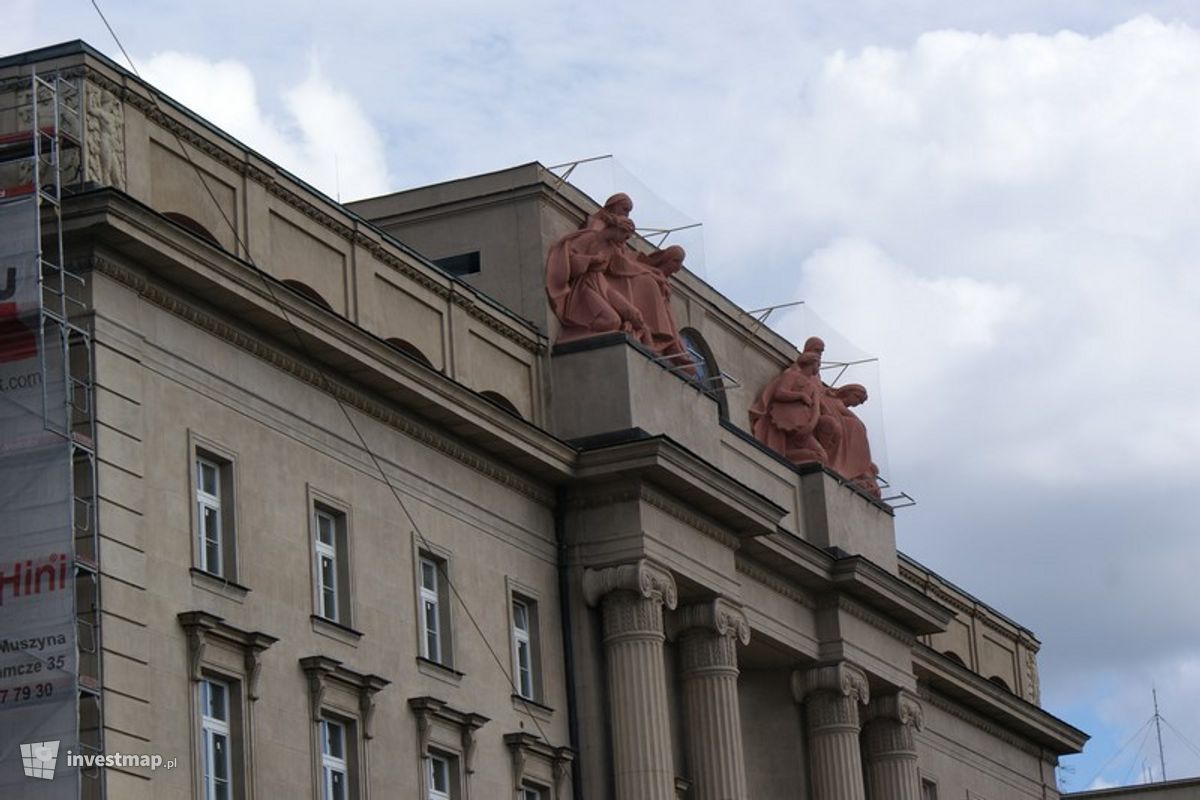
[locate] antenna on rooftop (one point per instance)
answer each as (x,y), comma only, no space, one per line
(1162,763)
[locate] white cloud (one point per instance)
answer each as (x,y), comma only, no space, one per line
(325,138)
(1039,195)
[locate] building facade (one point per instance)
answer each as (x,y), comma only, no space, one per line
(364,530)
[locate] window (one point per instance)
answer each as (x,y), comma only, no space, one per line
(525,662)
(928,790)
(333,761)
(531,793)
(438,777)
(213,521)
(342,704)
(215,745)
(434,607)
(327,566)
(331,564)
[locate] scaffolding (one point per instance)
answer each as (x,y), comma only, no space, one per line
(41,159)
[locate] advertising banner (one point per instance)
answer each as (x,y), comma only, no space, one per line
(38,653)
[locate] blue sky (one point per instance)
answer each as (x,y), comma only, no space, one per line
(997,199)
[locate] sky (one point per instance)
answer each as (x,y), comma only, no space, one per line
(998,200)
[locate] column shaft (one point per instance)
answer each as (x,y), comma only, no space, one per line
(643,766)
(890,749)
(712,718)
(836,760)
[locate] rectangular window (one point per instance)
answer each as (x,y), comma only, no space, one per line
(526,658)
(331,576)
(434,607)
(531,793)
(214,517)
(215,740)
(928,790)
(334,772)
(441,777)
(522,643)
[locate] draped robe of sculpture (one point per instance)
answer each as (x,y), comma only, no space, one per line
(787,411)
(844,437)
(643,281)
(577,268)
(804,420)
(597,284)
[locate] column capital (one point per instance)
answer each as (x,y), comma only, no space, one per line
(641,577)
(717,616)
(843,678)
(901,706)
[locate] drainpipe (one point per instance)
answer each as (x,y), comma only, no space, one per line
(564,601)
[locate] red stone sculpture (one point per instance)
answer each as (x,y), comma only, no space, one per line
(597,283)
(800,417)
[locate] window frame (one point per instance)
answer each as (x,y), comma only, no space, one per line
(450,762)
(332,764)
(441,558)
(431,600)
(210,728)
(523,639)
(520,593)
(204,452)
(322,506)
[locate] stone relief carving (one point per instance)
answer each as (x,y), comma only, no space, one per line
(804,420)
(105,139)
(597,283)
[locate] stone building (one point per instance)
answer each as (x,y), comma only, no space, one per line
(364,530)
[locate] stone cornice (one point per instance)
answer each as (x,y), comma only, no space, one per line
(280,358)
(864,613)
(203,628)
(522,746)
(322,671)
(992,708)
(685,475)
(353,230)
(882,590)
(774,581)
(429,710)
(604,494)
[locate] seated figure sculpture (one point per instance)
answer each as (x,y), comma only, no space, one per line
(788,410)
(800,417)
(597,284)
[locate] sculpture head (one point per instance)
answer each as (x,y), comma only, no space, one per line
(852,394)
(619,204)
(809,362)
(814,344)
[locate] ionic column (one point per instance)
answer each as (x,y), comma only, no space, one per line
(631,599)
(890,749)
(831,695)
(708,635)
